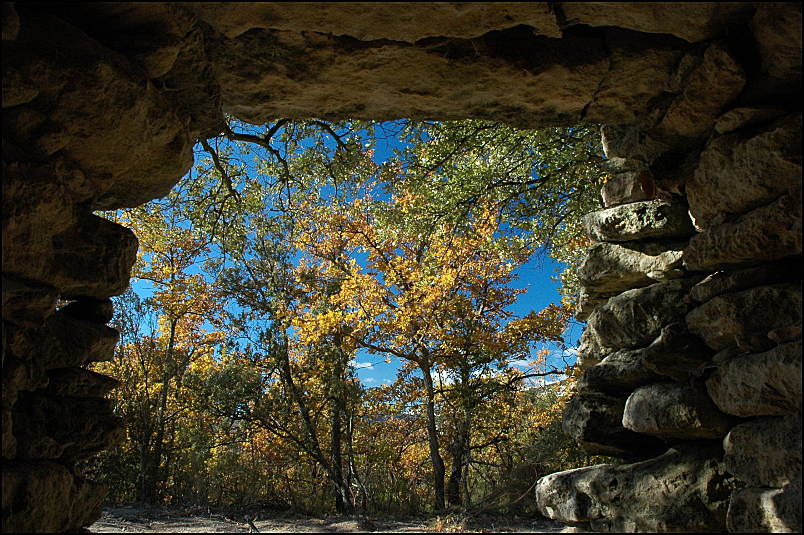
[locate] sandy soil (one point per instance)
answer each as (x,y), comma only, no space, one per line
(135,519)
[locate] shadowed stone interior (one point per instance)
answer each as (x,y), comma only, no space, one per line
(691,347)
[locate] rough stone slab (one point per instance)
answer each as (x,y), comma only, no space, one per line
(78,382)
(765,452)
(594,421)
(266,74)
(632,186)
(745,117)
(722,282)
(611,268)
(54,427)
(366,21)
(745,318)
(764,384)
(94,310)
(132,156)
(768,233)
(47,498)
(635,318)
(675,411)
(588,302)
(764,510)
(737,173)
(66,342)
(26,304)
(691,22)
(676,353)
(589,350)
(618,373)
(686,489)
(705,90)
(776,28)
(639,221)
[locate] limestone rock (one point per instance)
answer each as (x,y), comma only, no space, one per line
(745,318)
(80,383)
(764,510)
(66,342)
(776,29)
(628,187)
(722,282)
(594,421)
(590,351)
(632,142)
(639,221)
(764,384)
(618,373)
(266,74)
(648,63)
(737,173)
(768,233)
(46,497)
(705,91)
(137,154)
(674,411)
(27,304)
(691,22)
(676,353)
(54,427)
(589,301)
(614,268)
(636,317)
(765,452)
(686,489)
(745,117)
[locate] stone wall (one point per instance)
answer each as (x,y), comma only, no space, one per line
(693,351)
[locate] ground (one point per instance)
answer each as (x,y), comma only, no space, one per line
(136,519)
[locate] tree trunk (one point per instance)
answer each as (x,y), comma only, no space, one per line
(432,439)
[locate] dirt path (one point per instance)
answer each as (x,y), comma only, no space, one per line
(133,519)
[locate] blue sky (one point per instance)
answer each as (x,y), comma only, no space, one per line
(536,277)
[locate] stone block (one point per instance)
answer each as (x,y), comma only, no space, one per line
(624,188)
(27,304)
(765,452)
(768,233)
(79,383)
(738,173)
(619,373)
(686,489)
(675,411)
(635,318)
(764,384)
(639,221)
(766,510)
(745,117)
(88,309)
(676,353)
(722,282)
(611,268)
(594,421)
(745,318)
(66,341)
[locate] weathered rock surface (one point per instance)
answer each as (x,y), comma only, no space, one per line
(618,373)
(739,118)
(764,384)
(764,510)
(47,497)
(639,221)
(676,353)
(593,420)
(765,452)
(745,318)
(628,187)
(705,89)
(611,268)
(79,383)
(674,411)
(704,20)
(367,22)
(768,233)
(636,317)
(775,27)
(722,282)
(737,173)
(54,427)
(27,304)
(685,489)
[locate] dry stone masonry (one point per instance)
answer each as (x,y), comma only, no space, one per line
(690,365)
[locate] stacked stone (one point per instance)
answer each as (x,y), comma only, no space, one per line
(691,357)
